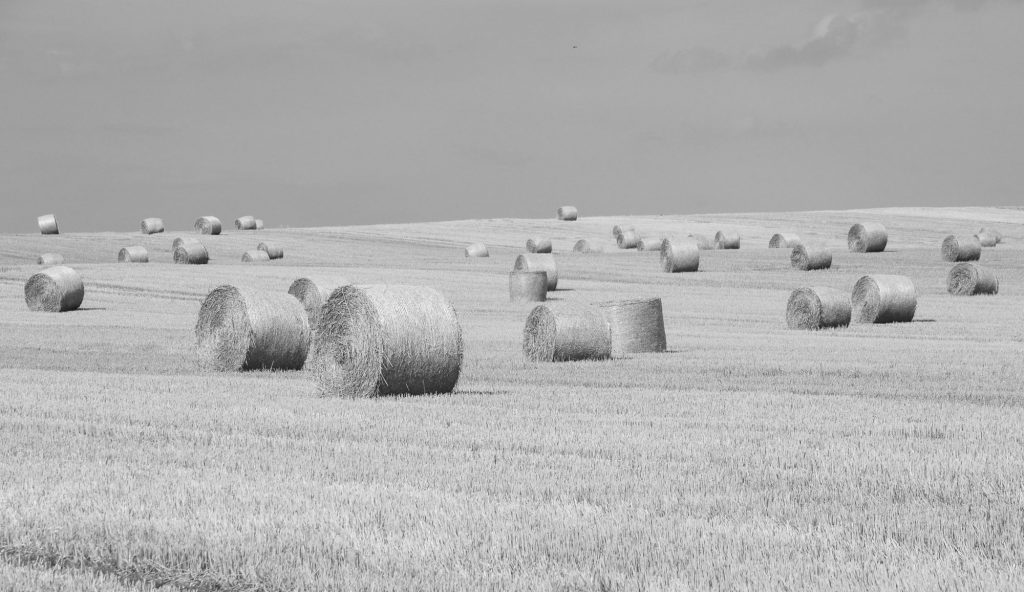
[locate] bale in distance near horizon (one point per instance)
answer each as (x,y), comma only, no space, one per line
(884,299)
(47,224)
(50,259)
(244,329)
(539,262)
(191,252)
(133,254)
(387,340)
(538,245)
(567,213)
(313,292)
(477,250)
(56,289)
(636,326)
(727,240)
(703,243)
(208,225)
(808,258)
(565,333)
(961,248)
(272,250)
(245,223)
(152,225)
(255,256)
(989,237)
(869,237)
(784,241)
(970,279)
(818,308)
(527,286)
(679,256)
(629,239)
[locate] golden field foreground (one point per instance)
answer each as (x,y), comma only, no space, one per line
(748,457)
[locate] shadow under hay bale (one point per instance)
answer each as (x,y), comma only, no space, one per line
(807,258)
(312,293)
(679,256)
(255,256)
(208,225)
(387,340)
(50,259)
(539,262)
(818,308)
(564,333)
(784,241)
(133,254)
(961,248)
(47,224)
(969,279)
(989,237)
(870,237)
(272,250)
(629,239)
(567,213)
(727,240)
(191,252)
(703,243)
(884,299)
(527,286)
(477,250)
(57,289)
(538,245)
(637,326)
(243,329)
(245,223)
(152,225)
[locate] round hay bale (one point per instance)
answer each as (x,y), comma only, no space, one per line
(274,251)
(50,259)
(703,243)
(56,289)
(617,230)
(208,225)
(584,246)
(961,248)
(243,329)
(245,223)
(727,240)
(566,333)
(180,240)
(133,254)
(679,256)
(636,326)
(313,293)
(867,238)
(191,252)
(818,308)
(152,225)
(259,224)
(255,256)
(989,235)
(477,250)
(629,239)
(48,224)
(567,213)
(807,258)
(539,262)
(538,245)
(884,299)
(969,279)
(649,244)
(527,286)
(387,340)
(784,241)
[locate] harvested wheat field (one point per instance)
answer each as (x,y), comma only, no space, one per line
(747,456)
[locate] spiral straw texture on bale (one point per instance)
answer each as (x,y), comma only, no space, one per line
(637,326)
(807,258)
(527,286)
(818,308)
(245,223)
(566,333)
(56,289)
(243,329)
(133,254)
(312,293)
(538,245)
(50,259)
(48,224)
(884,299)
(208,225)
(679,256)
(152,225)
(784,241)
(629,239)
(191,252)
(617,230)
(259,224)
(567,213)
(961,248)
(969,279)
(727,240)
(255,256)
(703,242)
(539,262)
(272,250)
(867,238)
(387,340)
(584,246)
(477,250)
(989,235)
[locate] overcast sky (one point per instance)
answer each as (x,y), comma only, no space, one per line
(318,112)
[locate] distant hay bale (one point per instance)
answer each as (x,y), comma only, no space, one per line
(245,223)
(191,252)
(243,329)
(312,293)
(133,254)
(152,225)
(806,258)
(180,240)
(208,225)
(259,224)
(629,239)
(566,333)
(567,213)
(727,240)
(990,234)
(272,250)
(969,279)
(56,289)
(884,299)
(649,244)
(255,256)
(527,286)
(636,326)
(986,240)
(679,256)
(703,243)
(477,250)
(538,245)
(387,340)
(867,238)
(48,224)
(539,262)
(584,246)
(818,308)
(617,230)
(784,241)
(961,248)
(50,259)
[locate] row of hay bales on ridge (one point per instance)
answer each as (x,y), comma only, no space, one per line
(203,225)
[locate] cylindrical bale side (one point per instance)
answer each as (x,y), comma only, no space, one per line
(56,289)
(245,223)
(191,253)
(679,256)
(650,244)
(527,286)
(961,248)
(629,239)
(807,258)
(208,225)
(477,250)
(566,333)
(567,213)
(782,240)
(970,279)
(152,225)
(313,293)
(539,262)
(618,229)
(255,256)
(636,326)
(133,254)
(538,245)
(48,224)
(869,237)
(818,308)
(272,250)
(50,259)
(884,299)
(703,242)
(727,240)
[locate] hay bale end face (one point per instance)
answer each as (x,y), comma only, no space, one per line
(245,223)
(57,289)
(970,279)
(538,245)
(387,340)
(870,237)
(242,329)
(818,308)
(629,239)
(255,256)
(961,248)
(703,243)
(50,259)
(884,299)
(133,254)
(272,250)
(637,326)
(312,293)
(807,258)
(48,224)
(727,240)
(208,225)
(477,250)
(567,213)
(989,237)
(191,253)
(527,286)
(539,262)
(679,256)
(152,225)
(784,241)
(566,333)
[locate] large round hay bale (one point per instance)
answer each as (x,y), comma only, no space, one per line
(818,308)
(870,237)
(50,259)
(48,224)
(567,213)
(208,225)
(274,251)
(527,286)
(566,333)
(387,340)
(989,235)
(961,248)
(807,258)
(152,225)
(727,240)
(243,329)
(133,254)
(56,289)
(584,246)
(538,245)
(617,230)
(477,250)
(679,256)
(255,256)
(259,224)
(312,293)
(884,299)
(703,243)
(636,326)
(629,239)
(784,241)
(969,279)
(191,252)
(539,262)
(245,223)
